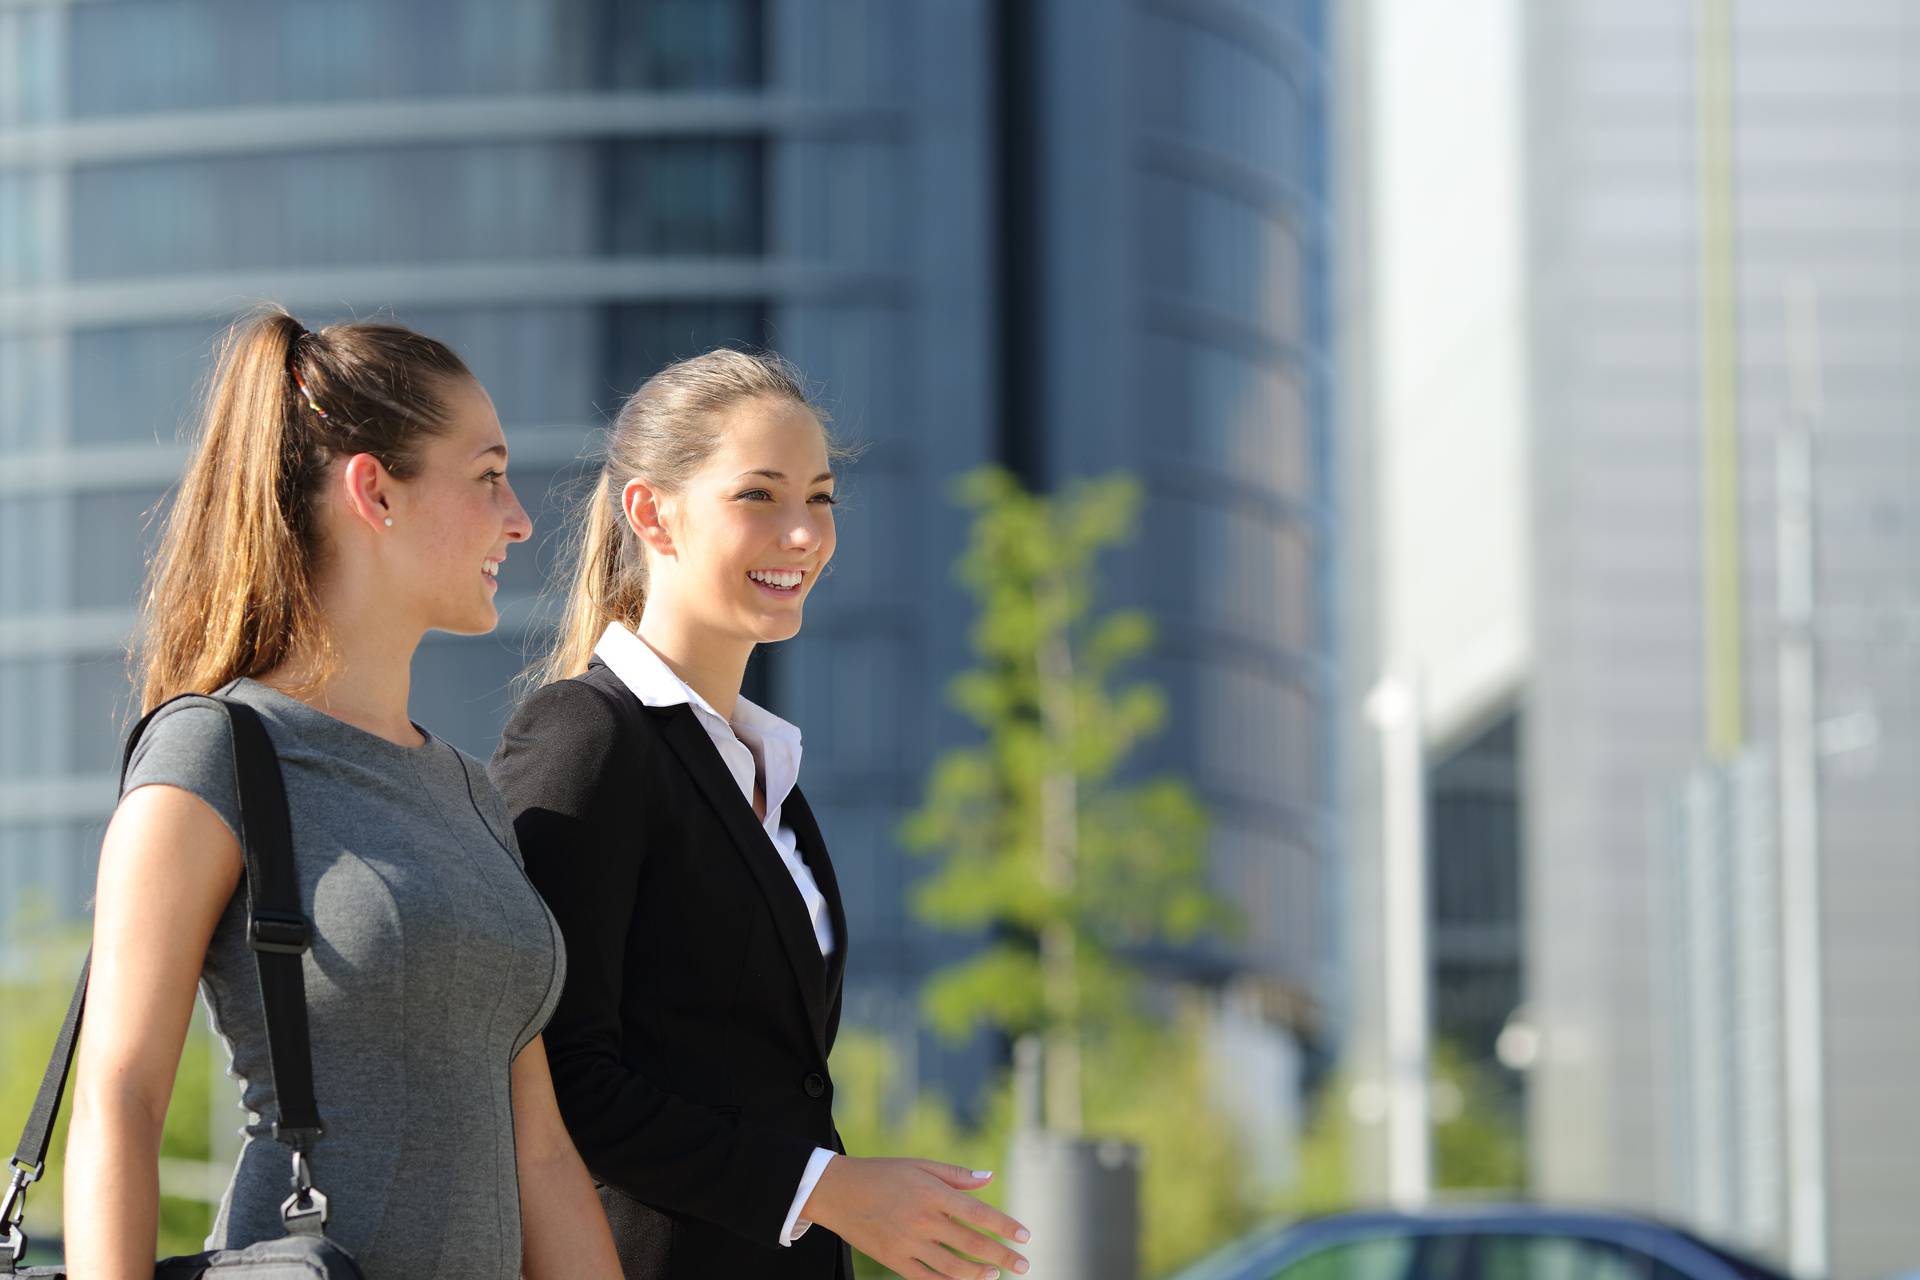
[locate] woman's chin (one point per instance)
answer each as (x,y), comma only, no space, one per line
(479,622)
(772,630)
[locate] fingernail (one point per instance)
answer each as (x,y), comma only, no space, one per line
(1022,1236)
(983,1174)
(993,1273)
(1020,1267)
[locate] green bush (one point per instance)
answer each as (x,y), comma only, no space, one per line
(1147,1087)
(36,1003)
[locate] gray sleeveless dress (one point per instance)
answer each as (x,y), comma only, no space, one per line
(434,964)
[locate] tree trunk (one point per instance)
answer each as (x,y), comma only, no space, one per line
(1060,840)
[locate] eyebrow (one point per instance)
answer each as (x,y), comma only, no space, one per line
(781,475)
(492,448)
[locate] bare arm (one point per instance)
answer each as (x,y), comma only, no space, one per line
(564,1230)
(168,867)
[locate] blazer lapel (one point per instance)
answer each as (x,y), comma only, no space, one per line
(795,812)
(696,751)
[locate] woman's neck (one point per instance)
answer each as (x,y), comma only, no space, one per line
(712,665)
(366,683)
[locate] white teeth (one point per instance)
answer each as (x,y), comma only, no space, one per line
(784,579)
(490,567)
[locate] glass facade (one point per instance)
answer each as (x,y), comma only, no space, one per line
(154,56)
(600,187)
(1227,417)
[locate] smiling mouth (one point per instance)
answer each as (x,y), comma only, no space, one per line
(780,582)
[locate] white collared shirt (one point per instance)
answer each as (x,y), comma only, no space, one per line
(755,741)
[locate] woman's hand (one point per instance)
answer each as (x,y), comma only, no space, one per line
(912,1217)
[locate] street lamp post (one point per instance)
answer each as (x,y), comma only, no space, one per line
(1395,708)
(1801,950)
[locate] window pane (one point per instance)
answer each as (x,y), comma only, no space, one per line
(392,204)
(541,365)
(686,197)
(647,338)
(26,66)
(1202,87)
(101,696)
(113,533)
(1362,1260)
(174,55)
(31,693)
(37,579)
(23,257)
(1257,586)
(137,383)
(66,715)
(27,362)
(684,44)
(1220,253)
(1246,419)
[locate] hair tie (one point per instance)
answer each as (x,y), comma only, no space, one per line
(293,348)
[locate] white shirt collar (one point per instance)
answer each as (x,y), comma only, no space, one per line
(774,741)
(646,672)
(757,741)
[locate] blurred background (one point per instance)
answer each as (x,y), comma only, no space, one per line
(1516,394)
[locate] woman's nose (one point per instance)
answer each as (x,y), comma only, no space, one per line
(519,523)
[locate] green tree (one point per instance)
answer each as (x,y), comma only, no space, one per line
(1038,838)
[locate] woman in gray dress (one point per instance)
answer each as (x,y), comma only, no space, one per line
(347,493)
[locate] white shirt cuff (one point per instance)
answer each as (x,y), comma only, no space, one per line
(796,1226)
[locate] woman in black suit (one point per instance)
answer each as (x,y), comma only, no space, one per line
(658,814)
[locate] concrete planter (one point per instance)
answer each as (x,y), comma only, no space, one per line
(1081,1199)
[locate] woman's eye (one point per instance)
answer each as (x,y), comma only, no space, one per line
(826,499)
(491,476)
(757,495)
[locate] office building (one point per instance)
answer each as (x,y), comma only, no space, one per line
(1697,174)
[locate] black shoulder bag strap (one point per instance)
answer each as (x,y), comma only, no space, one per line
(277,932)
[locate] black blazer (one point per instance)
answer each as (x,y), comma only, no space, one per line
(689,1048)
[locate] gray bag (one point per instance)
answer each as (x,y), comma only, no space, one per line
(278,932)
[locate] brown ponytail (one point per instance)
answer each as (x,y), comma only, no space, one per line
(664,432)
(231,588)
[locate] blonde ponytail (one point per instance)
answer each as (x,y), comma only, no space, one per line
(609,576)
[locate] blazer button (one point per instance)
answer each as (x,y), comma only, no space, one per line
(814,1084)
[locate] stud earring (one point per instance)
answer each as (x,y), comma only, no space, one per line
(389,522)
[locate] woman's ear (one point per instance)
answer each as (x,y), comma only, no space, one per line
(642,502)
(368,491)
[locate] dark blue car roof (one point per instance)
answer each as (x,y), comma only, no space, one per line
(1272,1247)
